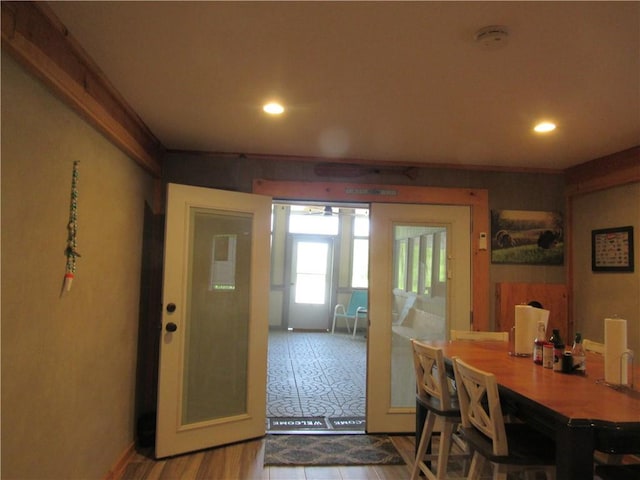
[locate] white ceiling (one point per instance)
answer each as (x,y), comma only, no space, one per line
(383,81)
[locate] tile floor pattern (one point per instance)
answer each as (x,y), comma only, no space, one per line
(316,380)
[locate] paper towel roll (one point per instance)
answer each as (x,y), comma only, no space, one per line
(526,328)
(541,315)
(615,344)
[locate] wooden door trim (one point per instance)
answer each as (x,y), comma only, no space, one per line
(476,199)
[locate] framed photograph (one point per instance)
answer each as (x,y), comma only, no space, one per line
(612,249)
(527,237)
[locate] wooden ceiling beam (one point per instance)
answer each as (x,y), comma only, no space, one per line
(33,35)
(601,173)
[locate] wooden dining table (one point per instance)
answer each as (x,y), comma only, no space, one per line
(581,413)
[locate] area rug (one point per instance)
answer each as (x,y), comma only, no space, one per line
(330,450)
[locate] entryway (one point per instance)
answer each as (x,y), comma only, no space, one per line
(316,381)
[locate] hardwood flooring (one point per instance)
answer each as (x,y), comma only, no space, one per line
(244,461)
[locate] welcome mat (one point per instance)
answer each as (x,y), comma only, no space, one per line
(315,424)
(330,450)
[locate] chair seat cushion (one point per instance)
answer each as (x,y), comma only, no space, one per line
(433,404)
(526,445)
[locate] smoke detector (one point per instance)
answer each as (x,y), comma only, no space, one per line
(492,37)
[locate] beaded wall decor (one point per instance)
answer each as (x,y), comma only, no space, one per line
(72,227)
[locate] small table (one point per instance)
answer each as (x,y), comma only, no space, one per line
(580,413)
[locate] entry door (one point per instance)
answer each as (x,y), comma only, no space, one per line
(311,267)
(396,231)
(213,351)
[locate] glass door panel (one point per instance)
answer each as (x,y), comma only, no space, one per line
(217,316)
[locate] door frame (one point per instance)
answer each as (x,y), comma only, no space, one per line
(476,199)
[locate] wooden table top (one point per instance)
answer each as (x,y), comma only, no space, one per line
(570,395)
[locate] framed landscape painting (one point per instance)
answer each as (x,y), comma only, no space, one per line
(527,237)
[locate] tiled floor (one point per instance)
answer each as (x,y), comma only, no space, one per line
(316,381)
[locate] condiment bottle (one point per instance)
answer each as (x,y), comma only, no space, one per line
(579,359)
(558,349)
(538,343)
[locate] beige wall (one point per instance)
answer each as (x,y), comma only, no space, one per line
(599,295)
(68,364)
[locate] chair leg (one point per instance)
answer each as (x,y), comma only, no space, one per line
(444,449)
(475,469)
(425,439)
(500,472)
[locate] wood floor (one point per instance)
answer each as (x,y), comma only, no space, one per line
(244,461)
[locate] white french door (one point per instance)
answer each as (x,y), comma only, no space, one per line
(213,351)
(311,269)
(445,300)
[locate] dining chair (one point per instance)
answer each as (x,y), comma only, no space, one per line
(508,446)
(475,335)
(436,394)
(355,309)
(618,472)
(591,346)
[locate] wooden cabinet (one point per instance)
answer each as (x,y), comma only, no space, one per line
(552,296)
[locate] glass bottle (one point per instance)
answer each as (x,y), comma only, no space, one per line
(579,359)
(558,349)
(538,343)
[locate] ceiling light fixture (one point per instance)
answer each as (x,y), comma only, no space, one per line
(273,108)
(545,127)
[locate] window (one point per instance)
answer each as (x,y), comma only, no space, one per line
(360,256)
(306,220)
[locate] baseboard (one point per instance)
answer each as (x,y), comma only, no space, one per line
(118,469)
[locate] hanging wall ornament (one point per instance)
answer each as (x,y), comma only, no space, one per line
(71,250)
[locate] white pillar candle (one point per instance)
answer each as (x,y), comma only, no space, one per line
(615,345)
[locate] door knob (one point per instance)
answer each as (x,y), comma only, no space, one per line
(171,307)
(171,327)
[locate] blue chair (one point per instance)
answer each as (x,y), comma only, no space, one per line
(357,308)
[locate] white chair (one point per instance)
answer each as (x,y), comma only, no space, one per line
(475,335)
(436,394)
(508,446)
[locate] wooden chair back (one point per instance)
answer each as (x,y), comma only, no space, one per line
(480,404)
(431,378)
(591,346)
(474,335)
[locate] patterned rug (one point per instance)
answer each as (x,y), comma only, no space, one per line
(330,450)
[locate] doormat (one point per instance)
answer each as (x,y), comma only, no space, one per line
(315,424)
(330,450)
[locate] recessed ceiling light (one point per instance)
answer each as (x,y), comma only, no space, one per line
(273,108)
(544,127)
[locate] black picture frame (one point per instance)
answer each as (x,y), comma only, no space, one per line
(612,250)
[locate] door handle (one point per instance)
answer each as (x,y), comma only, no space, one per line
(171,327)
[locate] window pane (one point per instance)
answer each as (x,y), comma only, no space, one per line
(442,277)
(303,221)
(415,263)
(401,264)
(310,288)
(428,264)
(360,267)
(361,223)
(311,268)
